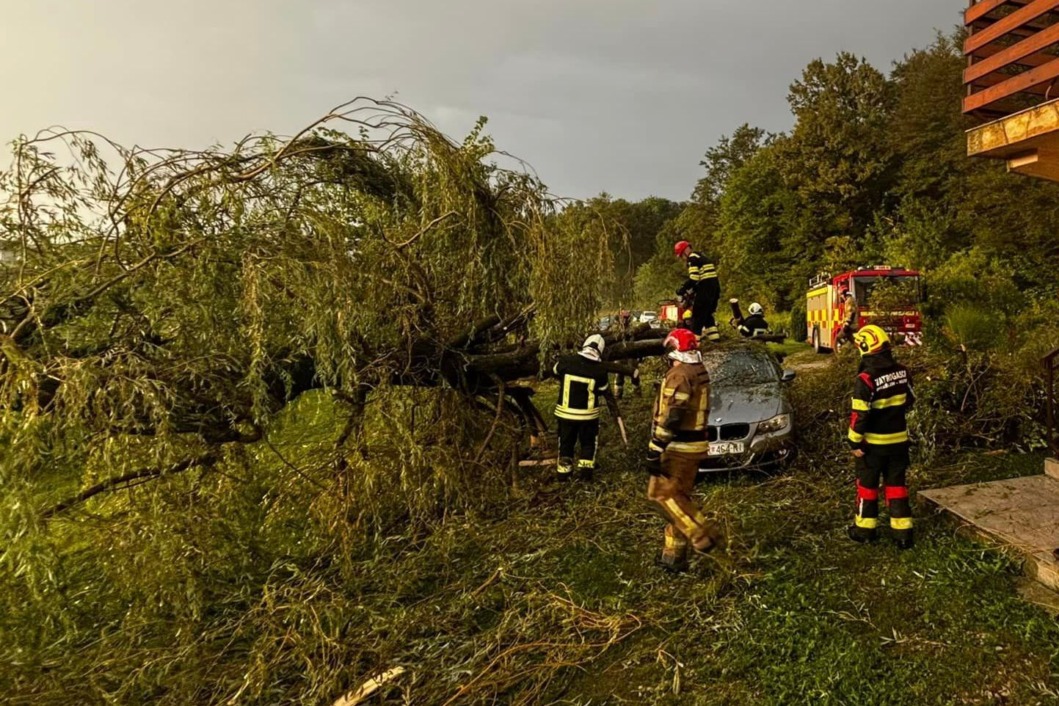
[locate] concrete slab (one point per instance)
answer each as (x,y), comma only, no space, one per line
(1020,512)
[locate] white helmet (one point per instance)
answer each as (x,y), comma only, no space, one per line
(756,309)
(593,347)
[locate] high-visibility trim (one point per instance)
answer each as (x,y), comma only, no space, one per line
(684,523)
(675,542)
(655,447)
(576,415)
(855,437)
(564,470)
(669,391)
(901,523)
(895,401)
(861,405)
(569,380)
(896,492)
(866,522)
(682,396)
(884,439)
(662,433)
(586,463)
(689,447)
(702,412)
(866,493)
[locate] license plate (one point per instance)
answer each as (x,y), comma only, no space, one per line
(726,448)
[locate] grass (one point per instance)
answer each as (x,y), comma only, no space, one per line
(792,613)
(553,598)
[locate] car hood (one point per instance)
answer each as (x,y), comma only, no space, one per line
(746,404)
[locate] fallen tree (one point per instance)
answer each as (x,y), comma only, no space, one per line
(189,298)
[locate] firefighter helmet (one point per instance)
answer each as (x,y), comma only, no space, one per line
(871,340)
(756,309)
(681,340)
(593,347)
(681,248)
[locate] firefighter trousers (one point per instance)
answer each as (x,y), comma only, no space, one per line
(703,321)
(671,491)
(888,464)
(570,434)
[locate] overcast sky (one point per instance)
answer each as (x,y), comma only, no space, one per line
(621,96)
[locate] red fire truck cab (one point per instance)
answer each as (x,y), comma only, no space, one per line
(886,296)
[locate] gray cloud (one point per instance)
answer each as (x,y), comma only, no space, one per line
(615,95)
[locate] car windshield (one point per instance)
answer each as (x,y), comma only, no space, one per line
(740,368)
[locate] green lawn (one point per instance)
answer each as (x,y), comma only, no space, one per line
(554,598)
(563,592)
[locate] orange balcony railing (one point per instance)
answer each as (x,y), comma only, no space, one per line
(1012,50)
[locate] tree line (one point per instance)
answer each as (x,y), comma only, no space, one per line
(874,170)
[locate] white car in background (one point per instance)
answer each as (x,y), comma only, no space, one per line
(651,318)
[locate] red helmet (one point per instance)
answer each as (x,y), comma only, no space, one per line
(680,248)
(681,340)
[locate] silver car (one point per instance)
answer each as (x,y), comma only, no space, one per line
(751,423)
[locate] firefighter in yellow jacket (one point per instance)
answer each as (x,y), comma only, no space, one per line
(878,438)
(678,444)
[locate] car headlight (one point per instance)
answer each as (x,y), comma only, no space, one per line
(777,423)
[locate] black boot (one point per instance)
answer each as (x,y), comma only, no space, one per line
(904,539)
(861,534)
(564,471)
(672,563)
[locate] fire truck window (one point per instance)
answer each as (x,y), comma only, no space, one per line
(894,291)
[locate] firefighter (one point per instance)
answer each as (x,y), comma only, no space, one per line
(685,321)
(753,325)
(703,288)
(582,382)
(878,436)
(850,314)
(625,326)
(678,444)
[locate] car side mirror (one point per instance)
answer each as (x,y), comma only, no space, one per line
(788,376)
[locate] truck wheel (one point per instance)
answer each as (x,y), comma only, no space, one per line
(818,345)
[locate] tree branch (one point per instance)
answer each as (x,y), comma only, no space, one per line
(207,459)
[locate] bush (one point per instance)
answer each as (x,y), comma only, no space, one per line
(796,326)
(971,327)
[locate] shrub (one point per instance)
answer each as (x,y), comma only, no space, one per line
(971,327)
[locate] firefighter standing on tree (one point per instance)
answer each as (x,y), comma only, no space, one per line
(678,444)
(582,382)
(704,289)
(878,435)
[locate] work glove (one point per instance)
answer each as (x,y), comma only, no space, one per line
(652,463)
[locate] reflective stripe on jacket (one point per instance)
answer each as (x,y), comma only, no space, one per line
(882,396)
(681,413)
(581,383)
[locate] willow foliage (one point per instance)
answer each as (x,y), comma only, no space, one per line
(220,369)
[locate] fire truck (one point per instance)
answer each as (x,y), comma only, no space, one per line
(894,306)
